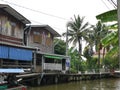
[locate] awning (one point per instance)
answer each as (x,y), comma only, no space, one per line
(54,57)
(11,70)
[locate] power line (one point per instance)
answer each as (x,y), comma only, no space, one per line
(36,22)
(105,4)
(34,10)
(37,12)
(42,24)
(113,3)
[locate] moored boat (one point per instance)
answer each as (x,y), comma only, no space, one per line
(8,80)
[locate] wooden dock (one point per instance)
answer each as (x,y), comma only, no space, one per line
(53,78)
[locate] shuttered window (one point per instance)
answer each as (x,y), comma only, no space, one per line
(37,37)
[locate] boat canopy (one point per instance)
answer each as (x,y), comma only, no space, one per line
(11,70)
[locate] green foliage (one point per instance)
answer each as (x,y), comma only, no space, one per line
(113,52)
(111,58)
(113,26)
(91,62)
(108,16)
(99,31)
(87,53)
(99,36)
(60,47)
(77,63)
(110,39)
(111,62)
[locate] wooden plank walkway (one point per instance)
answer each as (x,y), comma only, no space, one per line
(67,74)
(51,78)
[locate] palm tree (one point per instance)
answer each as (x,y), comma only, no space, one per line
(77,31)
(100,31)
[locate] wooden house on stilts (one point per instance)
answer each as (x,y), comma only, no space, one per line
(28,46)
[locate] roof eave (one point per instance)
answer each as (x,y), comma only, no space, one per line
(14,13)
(49,29)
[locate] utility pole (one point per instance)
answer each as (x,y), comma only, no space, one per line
(67,41)
(118,13)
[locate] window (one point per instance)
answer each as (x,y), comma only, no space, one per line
(13,25)
(48,41)
(7,27)
(37,37)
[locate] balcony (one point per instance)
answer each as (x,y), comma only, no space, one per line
(11,40)
(52,66)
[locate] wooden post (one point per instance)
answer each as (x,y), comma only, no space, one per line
(34,60)
(43,63)
(118,12)
(67,42)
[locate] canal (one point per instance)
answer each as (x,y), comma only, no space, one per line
(103,84)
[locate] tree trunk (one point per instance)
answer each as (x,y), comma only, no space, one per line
(103,52)
(80,46)
(99,58)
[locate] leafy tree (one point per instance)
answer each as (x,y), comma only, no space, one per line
(110,40)
(91,62)
(112,54)
(77,63)
(60,47)
(108,16)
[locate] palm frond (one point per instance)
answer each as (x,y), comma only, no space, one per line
(84,26)
(109,39)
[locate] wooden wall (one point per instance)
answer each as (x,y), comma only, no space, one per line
(41,38)
(10,27)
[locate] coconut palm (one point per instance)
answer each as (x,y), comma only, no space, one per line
(77,31)
(100,31)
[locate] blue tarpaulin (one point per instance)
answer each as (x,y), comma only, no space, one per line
(20,54)
(4,52)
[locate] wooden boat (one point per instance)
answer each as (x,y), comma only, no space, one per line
(8,80)
(116,74)
(20,87)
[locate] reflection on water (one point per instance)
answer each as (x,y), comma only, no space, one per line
(103,84)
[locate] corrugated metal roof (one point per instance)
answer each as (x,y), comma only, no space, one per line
(43,53)
(47,27)
(14,13)
(18,46)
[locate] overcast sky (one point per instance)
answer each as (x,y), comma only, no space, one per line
(56,13)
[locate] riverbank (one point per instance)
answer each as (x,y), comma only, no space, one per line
(99,84)
(38,79)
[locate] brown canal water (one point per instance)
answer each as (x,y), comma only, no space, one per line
(103,84)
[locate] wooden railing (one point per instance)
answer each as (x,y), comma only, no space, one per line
(52,66)
(14,64)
